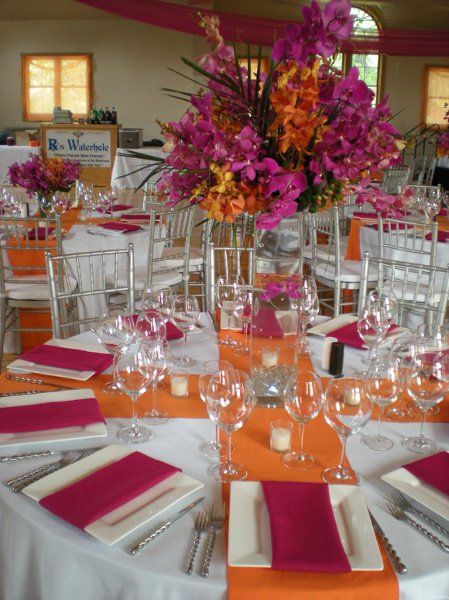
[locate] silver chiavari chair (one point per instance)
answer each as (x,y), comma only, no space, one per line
(422,291)
(394,178)
(23,276)
(99,275)
(418,170)
(408,240)
(430,172)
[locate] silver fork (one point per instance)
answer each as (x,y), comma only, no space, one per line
(216,523)
(399,514)
(201,525)
(401,502)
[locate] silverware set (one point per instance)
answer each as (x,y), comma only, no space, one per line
(205,522)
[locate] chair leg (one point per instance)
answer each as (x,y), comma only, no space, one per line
(2,328)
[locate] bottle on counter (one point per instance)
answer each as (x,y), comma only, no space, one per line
(100,114)
(107,115)
(93,115)
(113,116)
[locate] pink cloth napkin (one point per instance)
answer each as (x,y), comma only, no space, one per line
(40,233)
(442,212)
(443,236)
(68,358)
(364,215)
(349,335)
(108,488)
(265,324)
(173,333)
(136,217)
(116,208)
(433,470)
(50,415)
(304,535)
(393,227)
(117,226)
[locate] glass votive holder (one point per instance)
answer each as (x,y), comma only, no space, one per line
(269,356)
(280,436)
(179,383)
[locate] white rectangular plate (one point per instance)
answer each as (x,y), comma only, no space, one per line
(38,438)
(24,366)
(416,489)
(124,520)
(249,527)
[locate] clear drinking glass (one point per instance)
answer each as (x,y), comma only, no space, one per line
(114,329)
(61,202)
(303,400)
(160,302)
(134,373)
(213,447)
(151,327)
(186,314)
(403,409)
(309,307)
(427,384)
(383,385)
(372,327)
(347,409)
(229,405)
(242,309)
(162,362)
(227,288)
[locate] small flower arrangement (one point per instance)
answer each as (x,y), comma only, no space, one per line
(388,206)
(443,138)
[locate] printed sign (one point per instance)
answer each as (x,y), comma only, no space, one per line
(90,148)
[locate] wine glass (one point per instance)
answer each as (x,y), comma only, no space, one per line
(151,327)
(134,373)
(229,404)
(159,302)
(114,330)
(212,448)
(372,326)
(186,314)
(104,202)
(347,409)
(308,307)
(227,288)
(383,385)
(61,202)
(427,384)
(402,410)
(303,400)
(161,361)
(242,308)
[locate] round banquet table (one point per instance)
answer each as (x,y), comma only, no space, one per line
(126,173)
(44,558)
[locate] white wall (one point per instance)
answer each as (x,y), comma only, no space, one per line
(130,63)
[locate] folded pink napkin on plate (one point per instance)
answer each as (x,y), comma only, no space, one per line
(393,226)
(107,488)
(50,415)
(40,233)
(304,535)
(116,208)
(364,215)
(443,236)
(118,226)
(136,217)
(433,470)
(173,333)
(349,335)
(265,324)
(68,358)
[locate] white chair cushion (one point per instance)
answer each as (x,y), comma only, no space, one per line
(20,288)
(196,258)
(160,280)
(350,271)
(307,250)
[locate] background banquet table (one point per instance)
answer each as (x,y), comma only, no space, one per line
(122,173)
(11,154)
(44,556)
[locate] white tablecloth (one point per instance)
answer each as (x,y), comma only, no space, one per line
(124,166)
(12,154)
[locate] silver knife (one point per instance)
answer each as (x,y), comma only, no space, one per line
(133,550)
(397,562)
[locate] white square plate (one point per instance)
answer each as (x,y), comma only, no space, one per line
(44,437)
(24,366)
(127,518)
(249,527)
(428,496)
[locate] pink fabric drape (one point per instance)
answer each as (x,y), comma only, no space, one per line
(394,42)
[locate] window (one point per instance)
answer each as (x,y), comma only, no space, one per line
(369,65)
(56,80)
(436,94)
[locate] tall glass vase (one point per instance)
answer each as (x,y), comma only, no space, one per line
(274,320)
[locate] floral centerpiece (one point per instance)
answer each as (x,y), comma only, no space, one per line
(43,177)
(280,141)
(443,138)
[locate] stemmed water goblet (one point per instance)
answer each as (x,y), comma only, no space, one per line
(242,308)
(186,314)
(402,410)
(134,372)
(227,288)
(114,330)
(103,202)
(61,202)
(213,447)
(159,302)
(347,409)
(229,404)
(161,361)
(383,385)
(308,308)
(372,326)
(303,400)
(427,384)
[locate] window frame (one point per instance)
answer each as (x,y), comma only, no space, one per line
(58,56)
(425,96)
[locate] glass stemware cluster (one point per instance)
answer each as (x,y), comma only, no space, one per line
(376,319)
(10,202)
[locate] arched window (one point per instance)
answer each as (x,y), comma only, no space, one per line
(369,65)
